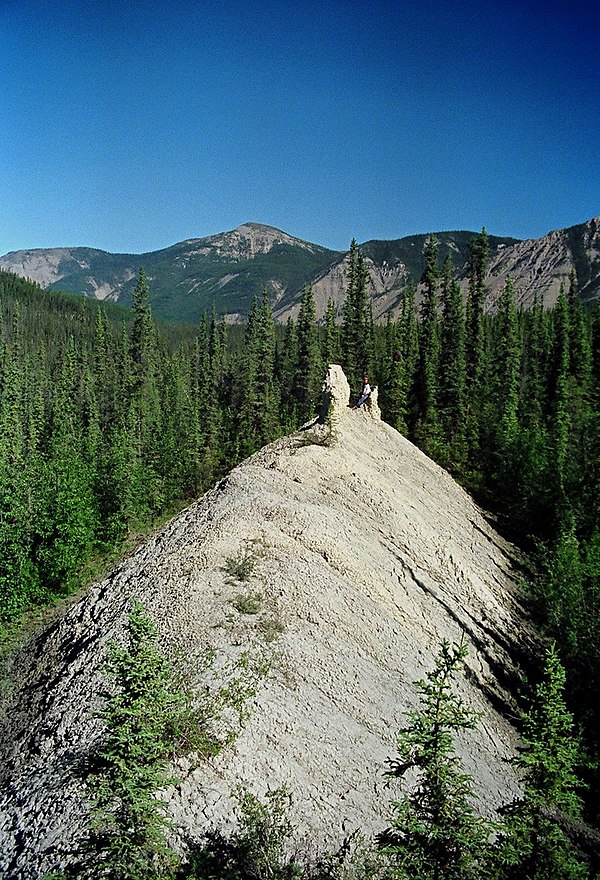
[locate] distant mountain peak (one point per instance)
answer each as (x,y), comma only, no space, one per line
(250,239)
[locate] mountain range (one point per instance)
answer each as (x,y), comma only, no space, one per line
(228,269)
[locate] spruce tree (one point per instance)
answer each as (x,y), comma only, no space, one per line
(309,374)
(452,377)
(535,842)
(478,266)
(579,341)
(144,405)
(21,584)
(142,333)
(407,336)
(259,416)
(348,328)
(501,423)
(508,364)
(394,382)
(286,369)
(559,590)
(532,454)
(69,503)
(129,823)
(331,336)
(357,322)
(474,338)
(427,431)
(560,404)
(435,833)
(207,420)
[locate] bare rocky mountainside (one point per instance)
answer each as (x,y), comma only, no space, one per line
(367,555)
(228,269)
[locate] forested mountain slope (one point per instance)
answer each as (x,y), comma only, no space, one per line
(366,555)
(226,270)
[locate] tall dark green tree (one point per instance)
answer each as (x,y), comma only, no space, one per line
(434,833)
(331,336)
(310,370)
(479,255)
(474,338)
(394,384)
(508,362)
(532,456)
(208,379)
(143,336)
(560,590)
(406,360)
(428,425)
(560,403)
(286,371)
(536,841)
(357,322)
(259,417)
(129,837)
(20,582)
(502,409)
(70,507)
(583,446)
(452,375)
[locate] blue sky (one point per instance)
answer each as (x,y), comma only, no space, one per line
(130,126)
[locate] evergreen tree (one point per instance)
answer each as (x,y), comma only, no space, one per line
(331,336)
(143,342)
(452,381)
(20,582)
(348,328)
(531,460)
(435,833)
(310,370)
(100,354)
(478,266)
(182,446)
(286,374)
(560,590)
(500,427)
(427,430)
(560,402)
(394,383)
(207,421)
(508,364)
(583,441)
(474,339)
(579,341)
(259,417)
(128,841)
(357,322)
(144,406)
(535,842)
(407,337)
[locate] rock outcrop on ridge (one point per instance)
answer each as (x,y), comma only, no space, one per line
(370,555)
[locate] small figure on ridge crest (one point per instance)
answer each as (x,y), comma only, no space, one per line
(365,393)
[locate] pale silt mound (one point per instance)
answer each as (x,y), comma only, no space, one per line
(367,555)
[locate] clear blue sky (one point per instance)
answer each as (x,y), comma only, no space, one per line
(130,126)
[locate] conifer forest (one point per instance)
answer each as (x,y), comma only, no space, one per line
(111,422)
